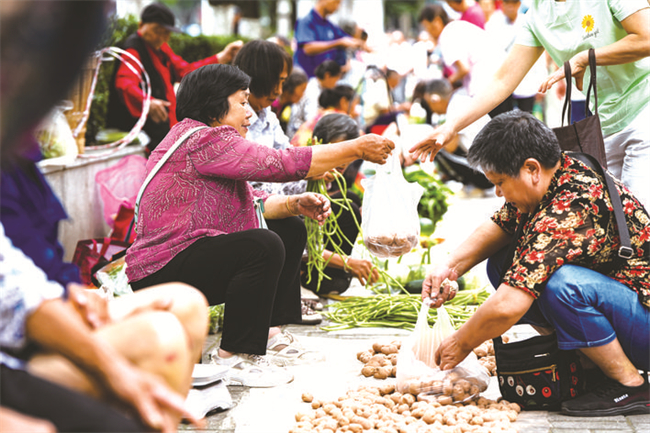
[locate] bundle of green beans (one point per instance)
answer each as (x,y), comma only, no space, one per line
(330,232)
(398,311)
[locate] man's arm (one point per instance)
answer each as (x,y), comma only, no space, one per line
(486,240)
(516,65)
(635,46)
(317,47)
(499,313)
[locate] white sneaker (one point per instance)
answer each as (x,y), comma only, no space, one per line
(253,371)
(284,349)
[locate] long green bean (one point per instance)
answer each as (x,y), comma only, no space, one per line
(398,311)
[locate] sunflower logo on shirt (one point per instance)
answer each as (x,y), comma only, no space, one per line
(588,23)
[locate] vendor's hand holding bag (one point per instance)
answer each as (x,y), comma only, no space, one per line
(585,135)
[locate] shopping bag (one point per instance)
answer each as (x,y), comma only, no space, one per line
(585,135)
(390,224)
(91,254)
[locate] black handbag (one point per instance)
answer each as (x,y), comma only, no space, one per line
(536,374)
(585,135)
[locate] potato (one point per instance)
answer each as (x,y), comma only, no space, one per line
(382,373)
(315,404)
(408,399)
(377,347)
(307,397)
(387,389)
(389,349)
(368,370)
(445,400)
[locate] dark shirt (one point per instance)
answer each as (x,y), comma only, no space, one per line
(30,214)
(575,224)
(312,27)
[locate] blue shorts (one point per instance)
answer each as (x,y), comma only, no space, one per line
(588,309)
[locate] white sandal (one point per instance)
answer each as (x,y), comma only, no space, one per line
(254,371)
(291,352)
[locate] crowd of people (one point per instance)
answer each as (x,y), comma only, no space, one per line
(221,217)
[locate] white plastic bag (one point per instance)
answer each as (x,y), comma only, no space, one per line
(418,374)
(54,135)
(390,225)
(112,278)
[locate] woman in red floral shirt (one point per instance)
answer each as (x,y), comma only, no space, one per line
(566,273)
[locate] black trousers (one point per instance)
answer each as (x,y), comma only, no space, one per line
(339,280)
(68,410)
(256,273)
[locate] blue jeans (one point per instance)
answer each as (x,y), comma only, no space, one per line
(587,309)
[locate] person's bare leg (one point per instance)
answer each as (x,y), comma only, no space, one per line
(187,304)
(155,341)
(611,359)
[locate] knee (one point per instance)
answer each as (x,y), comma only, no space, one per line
(163,334)
(564,286)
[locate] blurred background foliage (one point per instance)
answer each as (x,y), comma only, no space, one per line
(190,48)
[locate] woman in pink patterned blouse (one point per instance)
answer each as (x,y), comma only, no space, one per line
(197,222)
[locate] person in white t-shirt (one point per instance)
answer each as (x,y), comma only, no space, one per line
(619,31)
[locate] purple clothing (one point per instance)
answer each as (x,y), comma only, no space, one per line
(202,190)
(474,14)
(30,213)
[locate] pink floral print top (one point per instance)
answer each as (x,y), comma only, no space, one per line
(203,190)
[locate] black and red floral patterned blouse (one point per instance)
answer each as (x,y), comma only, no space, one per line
(574,223)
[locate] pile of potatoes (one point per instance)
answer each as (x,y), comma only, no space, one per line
(384,410)
(380,362)
(485,355)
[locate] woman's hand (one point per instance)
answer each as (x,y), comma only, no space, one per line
(578,63)
(437,285)
(450,353)
(312,205)
(91,305)
(374,148)
(158,405)
(427,148)
(362,269)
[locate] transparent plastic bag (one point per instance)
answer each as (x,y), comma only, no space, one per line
(418,374)
(54,135)
(112,278)
(390,225)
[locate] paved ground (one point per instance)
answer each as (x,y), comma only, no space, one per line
(259,410)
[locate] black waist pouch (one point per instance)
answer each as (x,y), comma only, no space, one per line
(536,374)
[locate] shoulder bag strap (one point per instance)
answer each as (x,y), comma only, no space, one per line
(157,167)
(625,251)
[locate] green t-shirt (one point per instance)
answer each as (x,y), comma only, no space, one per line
(567,28)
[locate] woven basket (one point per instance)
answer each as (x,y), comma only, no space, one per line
(79,96)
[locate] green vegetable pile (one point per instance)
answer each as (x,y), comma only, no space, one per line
(215,313)
(433,204)
(398,311)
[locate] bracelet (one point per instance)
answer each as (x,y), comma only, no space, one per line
(289,208)
(346,267)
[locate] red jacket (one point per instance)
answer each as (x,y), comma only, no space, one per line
(128,84)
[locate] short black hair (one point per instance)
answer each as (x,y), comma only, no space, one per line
(295,79)
(508,140)
(331,98)
(430,12)
(328,66)
(203,93)
(335,127)
(438,86)
(263,61)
